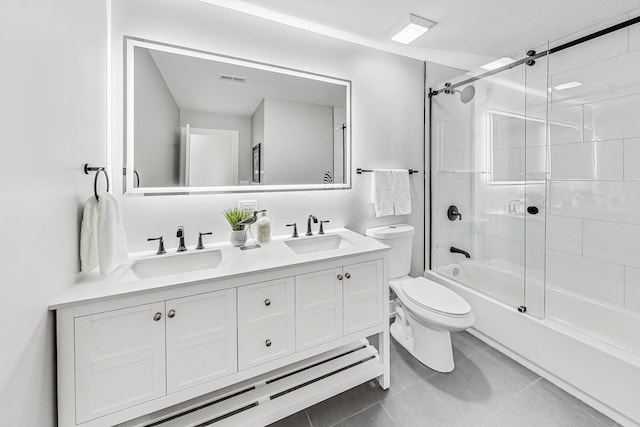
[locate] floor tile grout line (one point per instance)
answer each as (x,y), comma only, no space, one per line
(388,413)
(308,418)
(355,413)
(570,402)
(508,400)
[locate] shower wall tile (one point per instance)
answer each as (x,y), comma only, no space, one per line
(612,119)
(536,163)
(508,164)
(611,78)
(564,234)
(535,132)
(614,201)
(450,135)
(607,46)
(634,32)
(632,159)
(448,192)
(613,242)
(508,132)
(600,321)
(601,160)
(442,226)
(536,91)
(565,125)
(591,278)
(632,289)
(510,227)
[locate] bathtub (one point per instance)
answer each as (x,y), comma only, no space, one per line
(603,375)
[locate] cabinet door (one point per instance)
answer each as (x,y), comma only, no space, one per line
(120,359)
(362,287)
(318,308)
(201,339)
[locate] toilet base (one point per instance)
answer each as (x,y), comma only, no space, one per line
(432,348)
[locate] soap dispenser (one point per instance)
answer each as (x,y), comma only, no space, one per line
(264,228)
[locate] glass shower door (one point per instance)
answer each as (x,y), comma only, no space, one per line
(487,158)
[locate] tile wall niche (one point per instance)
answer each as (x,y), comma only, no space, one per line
(593,218)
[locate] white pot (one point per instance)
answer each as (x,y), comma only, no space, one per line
(238,237)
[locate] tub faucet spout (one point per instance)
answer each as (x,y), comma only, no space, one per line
(455,250)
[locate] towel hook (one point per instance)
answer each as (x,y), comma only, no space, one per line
(97,169)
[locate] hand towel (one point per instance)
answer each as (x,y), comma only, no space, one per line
(112,243)
(401,192)
(382,192)
(88,238)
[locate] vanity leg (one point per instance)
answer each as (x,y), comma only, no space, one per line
(383,351)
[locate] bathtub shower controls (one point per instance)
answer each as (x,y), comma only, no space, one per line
(180,235)
(200,245)
(455,250)
(453,213)
(533,210)
(321,231)
(161,250)
(315,221)
(295,229)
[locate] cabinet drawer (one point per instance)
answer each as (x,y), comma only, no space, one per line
(261,343)
(265,302)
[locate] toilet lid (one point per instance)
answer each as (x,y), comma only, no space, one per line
(435,297)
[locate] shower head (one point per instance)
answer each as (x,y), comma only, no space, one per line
(466,94)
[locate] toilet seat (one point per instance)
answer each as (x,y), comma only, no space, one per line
(434,297)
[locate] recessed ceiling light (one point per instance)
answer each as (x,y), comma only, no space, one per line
(565,86)
(494,65)
(412,28)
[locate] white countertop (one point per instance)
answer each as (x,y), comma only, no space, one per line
(235,262)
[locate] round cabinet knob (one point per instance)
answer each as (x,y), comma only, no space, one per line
(171,314)
(347,275)
(533,210)
(267,302)
(157,316)
(339,276)
(267,343)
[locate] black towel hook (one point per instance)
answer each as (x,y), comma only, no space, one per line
(97,169)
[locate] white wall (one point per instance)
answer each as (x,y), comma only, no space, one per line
(298,142)
(53,119)
(387,116)
(157,130)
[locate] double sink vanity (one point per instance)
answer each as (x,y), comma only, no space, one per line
(222,336)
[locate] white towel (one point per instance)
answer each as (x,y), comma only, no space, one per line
(382,192)
(88,240)
(102,239)
(401,192)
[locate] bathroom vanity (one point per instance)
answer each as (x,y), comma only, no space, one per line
(241,337)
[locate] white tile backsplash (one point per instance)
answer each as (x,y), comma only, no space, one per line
(632,159)
(634,32)
(612,119)
(632,289)
(594,279)
(564,234)
(601,160)
(613,242)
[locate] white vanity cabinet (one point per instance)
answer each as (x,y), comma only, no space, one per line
(128,356)
(264,335)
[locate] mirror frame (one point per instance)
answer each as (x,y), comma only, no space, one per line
(128,143)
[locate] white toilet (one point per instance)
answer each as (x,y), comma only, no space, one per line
(426,312)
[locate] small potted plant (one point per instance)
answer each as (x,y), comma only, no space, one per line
(238,233)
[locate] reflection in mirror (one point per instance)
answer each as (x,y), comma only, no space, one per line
(199,122)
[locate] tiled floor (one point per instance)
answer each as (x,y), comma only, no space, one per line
(486,389)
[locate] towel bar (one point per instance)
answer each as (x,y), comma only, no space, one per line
(359,171)
(97,169)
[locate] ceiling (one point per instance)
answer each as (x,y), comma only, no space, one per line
(468,33)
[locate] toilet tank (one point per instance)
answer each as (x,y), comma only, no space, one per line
(400,238)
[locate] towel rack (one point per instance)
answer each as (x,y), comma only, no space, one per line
(97,169)
(359,171)
(136,175)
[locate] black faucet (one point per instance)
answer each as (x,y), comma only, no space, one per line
(315,221)
(455,250)
(453,213)
(180,235)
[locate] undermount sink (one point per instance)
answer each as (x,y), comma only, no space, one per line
(308,245)
(176,264)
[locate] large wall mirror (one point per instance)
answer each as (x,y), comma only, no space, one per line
(199,122)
